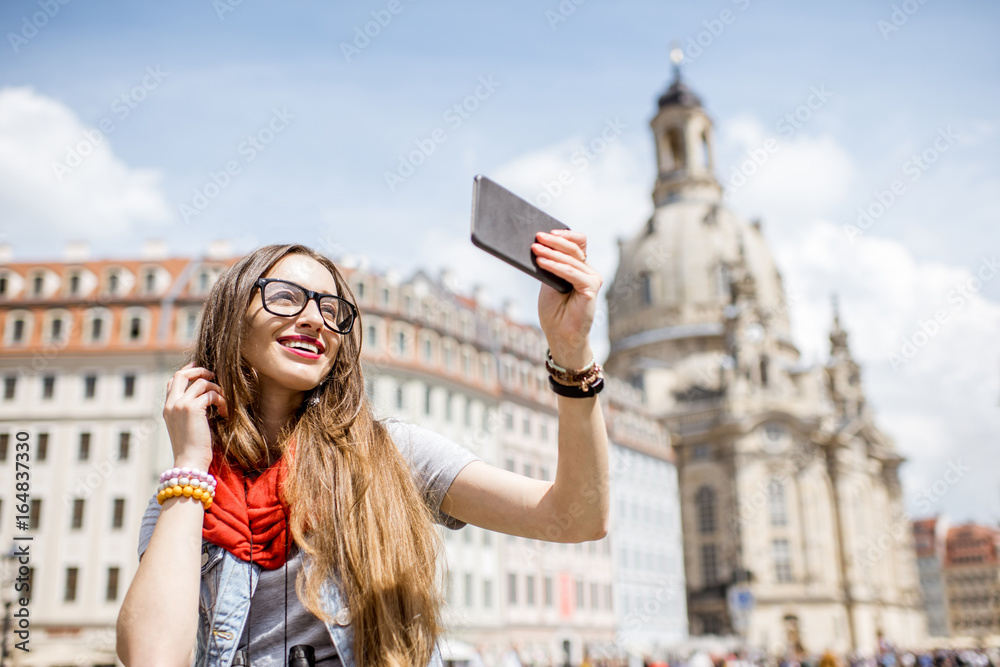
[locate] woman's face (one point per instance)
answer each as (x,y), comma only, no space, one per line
(280,367)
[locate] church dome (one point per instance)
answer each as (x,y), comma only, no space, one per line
(679,273)
(679,94)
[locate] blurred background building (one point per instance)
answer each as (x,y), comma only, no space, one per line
(972,580)
(787,485)
(930,538)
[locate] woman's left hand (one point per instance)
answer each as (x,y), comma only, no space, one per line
(566,318)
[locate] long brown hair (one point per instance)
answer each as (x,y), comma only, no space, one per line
(354,508)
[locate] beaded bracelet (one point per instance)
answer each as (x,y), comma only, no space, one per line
(187,482)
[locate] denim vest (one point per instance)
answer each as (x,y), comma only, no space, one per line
(225,604)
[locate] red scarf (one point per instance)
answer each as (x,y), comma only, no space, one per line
(236,510)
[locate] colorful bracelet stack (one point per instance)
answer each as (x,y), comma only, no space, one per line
(188,482)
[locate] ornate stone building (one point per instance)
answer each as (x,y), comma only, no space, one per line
(789,491)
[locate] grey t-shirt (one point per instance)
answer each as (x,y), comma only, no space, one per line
(434,460)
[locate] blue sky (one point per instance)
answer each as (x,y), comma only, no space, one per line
(346,120)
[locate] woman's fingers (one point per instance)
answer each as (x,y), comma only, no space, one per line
(183,377)
(581,280)
(543,251)
(572,243)
(213,398)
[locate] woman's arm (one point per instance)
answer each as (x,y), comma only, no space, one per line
(158,620)
(575,506)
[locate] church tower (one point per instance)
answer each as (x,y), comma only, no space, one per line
(787,486)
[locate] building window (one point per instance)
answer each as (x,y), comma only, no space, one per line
(782,561)
(129,386)
(192,324)
(35,514)
(372,335)
(468,589)
(42,450)
(511,588)
(509,464)
(549,597)
(468,412)
(84,451)
(3,285)
(96,329)
(37,285)
(135,328)
(705,502)
(594,599)
(776,503)
(400,343)
(113,283)
(608,597)
(74,284)
(527,425)
(9,387)
(48,386)
(427,399)
(645,288)
(76,523)
(18,334)
(112,592)
(150,281)
(579,593)
(529,593)
(428,350)
(487,593)
(124,441)
(69,595)
(57,329)
(447,406)
(89,386)
(4,445)
(709,565)
(118,514)
(399,396)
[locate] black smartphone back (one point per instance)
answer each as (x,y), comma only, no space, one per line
(505,226)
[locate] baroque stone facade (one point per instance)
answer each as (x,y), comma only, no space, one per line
(790,493)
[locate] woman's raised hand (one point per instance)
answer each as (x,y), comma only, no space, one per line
(189,393)
(566,318)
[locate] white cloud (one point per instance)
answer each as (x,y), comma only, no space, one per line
(787,180)
(94,195)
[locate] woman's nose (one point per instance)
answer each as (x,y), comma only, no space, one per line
(311,315)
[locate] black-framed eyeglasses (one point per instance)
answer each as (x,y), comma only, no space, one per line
(286,299)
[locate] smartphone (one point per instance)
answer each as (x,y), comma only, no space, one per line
(505,226)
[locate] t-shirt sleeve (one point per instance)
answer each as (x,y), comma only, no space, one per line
(148,524)
(435,462)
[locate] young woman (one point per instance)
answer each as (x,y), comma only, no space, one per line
(282,472)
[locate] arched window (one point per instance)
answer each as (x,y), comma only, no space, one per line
(705,502)
(676,141)
(776,503)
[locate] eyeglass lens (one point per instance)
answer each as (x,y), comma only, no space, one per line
(287,299)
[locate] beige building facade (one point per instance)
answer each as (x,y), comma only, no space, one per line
(794,530)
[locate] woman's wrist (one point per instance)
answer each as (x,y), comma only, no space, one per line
(571,358)
(193,462)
